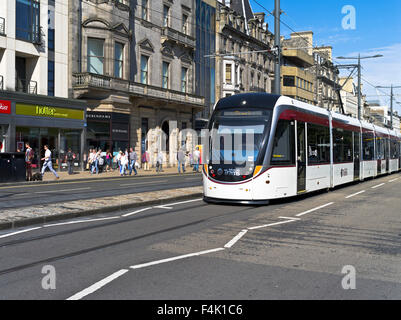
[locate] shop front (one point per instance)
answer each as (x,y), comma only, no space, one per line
(108,131)
(56,122)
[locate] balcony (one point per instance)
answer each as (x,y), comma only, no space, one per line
(86,81)
(2,27)
(169,34)
(26,86)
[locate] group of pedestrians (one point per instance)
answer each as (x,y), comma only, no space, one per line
(127,162)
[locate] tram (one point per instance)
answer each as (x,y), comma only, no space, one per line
(296,148)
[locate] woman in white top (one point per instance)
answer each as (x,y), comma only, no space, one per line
(124,163)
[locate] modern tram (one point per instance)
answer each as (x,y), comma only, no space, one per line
(297,148)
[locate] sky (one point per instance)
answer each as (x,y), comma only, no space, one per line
(377,30)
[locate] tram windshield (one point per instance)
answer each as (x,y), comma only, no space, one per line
(237,136)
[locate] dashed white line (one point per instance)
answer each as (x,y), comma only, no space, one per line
(55,191)
(144,265)
(78,221)
(314,209)
(138,184)
(187,201)
(235,239)
(270,225)
(98,285)
(289,218)
(18,232)
(355,194)
(135,212)
(394,180)
(163,207)
(379,185)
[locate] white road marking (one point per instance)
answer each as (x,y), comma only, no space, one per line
(235,239)
(98,285)
(182,202)
(355,194)
(314,209)
(270,225)
(394,180)
(135,212)
(144,265)
(141,183)
(55,191)
(379,185)
(77,221)
(163,207)
(289,218)
(18,232)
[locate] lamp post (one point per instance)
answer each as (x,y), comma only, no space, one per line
(391,101)
(359,58)
(277,44)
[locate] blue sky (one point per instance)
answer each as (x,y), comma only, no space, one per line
(378,31)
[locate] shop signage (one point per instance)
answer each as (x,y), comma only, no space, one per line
(5,106)
(98,116)
(47,111)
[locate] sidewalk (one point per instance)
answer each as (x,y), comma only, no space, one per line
(79,175)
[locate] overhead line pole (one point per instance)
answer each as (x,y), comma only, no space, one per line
(391,100)
(277,44)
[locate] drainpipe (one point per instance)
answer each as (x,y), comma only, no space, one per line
(80,36)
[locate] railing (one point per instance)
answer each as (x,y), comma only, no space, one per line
(2,26)
(1,83)
(177,36)
(27,86)
(86,80)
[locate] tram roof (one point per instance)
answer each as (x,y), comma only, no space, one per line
(256,100)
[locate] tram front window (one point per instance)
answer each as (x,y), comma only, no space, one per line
(237,137)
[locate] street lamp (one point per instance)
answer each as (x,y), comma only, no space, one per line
(359,58)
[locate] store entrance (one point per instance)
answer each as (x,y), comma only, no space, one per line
(49,137)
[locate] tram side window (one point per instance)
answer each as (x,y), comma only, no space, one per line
(342,141)
(318,144)
(368,146)
(394,152)
(284,143)
(380,143)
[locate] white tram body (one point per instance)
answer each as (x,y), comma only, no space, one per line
(298,148)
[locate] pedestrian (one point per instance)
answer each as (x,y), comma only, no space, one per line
(109,160)
(91,158)
(94,162)
(123,163)
(70,158)
(48,162)
(28,161)
(133,157)
(146,160)
(159,162)
(196,159)
(181,160)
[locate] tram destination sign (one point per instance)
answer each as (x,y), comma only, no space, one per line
(48,111)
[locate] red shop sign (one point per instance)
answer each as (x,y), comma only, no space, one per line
(5,106)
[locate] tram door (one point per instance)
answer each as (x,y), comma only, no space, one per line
(301,157)
(387,155)
(357,155)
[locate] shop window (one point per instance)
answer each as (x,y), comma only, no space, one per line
(284,144)
(318,144)
(95,55)
(342,144)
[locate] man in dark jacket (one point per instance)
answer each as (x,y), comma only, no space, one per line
(70,160)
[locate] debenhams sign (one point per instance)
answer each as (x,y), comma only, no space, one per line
(50,112)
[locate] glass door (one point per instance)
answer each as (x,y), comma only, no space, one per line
(301,157)
(357,155)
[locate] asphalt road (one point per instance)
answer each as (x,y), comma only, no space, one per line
(294,249)
(22,195)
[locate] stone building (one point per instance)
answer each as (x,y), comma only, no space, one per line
(241,36)
(133,62)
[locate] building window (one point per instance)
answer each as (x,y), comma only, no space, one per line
(144,69)
(184,24)
(165,74)
(166,14)
(50,78)
(95,55)
(50,27)
(144,9)
(118,60)
(28,20)
(184,75)
(228,73)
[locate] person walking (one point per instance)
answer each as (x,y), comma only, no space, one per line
(95,162)
(123,163)
(91,160)
(133,157)
(196,159)
(28,161)
(70,158)
(159,162)
(181,160)
(48,162)
(146,160)
(109,161)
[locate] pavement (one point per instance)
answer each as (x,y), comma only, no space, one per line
(299,248)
